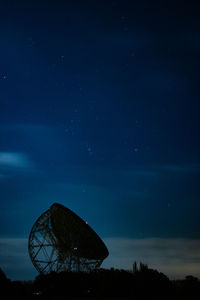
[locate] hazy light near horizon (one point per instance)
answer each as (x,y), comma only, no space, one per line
(170,256)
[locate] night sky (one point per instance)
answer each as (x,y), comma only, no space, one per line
(99,111)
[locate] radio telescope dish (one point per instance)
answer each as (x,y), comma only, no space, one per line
(61,241)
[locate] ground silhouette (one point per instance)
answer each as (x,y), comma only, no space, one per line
(141,283)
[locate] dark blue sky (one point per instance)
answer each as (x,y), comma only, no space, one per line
(99,111)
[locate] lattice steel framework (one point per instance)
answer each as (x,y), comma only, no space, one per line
(62,241)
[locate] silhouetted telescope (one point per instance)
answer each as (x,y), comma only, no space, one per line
(61,241)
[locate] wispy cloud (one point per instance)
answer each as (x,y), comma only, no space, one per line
(175,257)
(2,176)
(171,168)
(15,161)
(14,259)
(184,168)
(158,170)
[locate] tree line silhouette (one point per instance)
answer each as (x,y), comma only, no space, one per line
(140,283)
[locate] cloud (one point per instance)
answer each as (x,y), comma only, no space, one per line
(15,161)
(14,259)
(2,176)
(172,168)
(174,257)
(153,171)
(182,168)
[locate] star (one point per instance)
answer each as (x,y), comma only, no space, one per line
(89,149)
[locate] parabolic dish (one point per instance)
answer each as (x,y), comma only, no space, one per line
(61,241)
